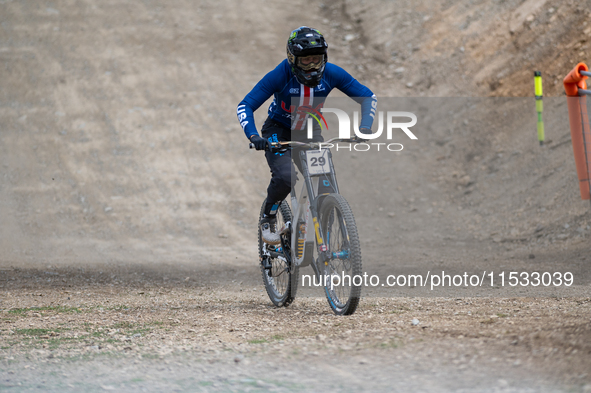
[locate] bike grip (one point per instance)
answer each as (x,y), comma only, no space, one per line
(251,145)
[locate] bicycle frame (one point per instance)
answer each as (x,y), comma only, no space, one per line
(305,208)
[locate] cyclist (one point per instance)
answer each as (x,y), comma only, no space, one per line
(305,75)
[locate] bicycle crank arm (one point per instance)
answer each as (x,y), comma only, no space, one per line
(275,254)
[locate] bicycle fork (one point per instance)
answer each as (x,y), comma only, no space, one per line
(322,248)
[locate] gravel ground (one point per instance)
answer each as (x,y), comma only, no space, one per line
(186,337)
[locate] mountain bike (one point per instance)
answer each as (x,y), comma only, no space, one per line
(315,224)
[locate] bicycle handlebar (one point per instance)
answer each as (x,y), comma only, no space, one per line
(311,145)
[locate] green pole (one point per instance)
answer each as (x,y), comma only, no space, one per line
(539,105)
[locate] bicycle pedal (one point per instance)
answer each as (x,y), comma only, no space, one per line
(266,264)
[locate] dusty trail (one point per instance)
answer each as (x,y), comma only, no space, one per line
(129,201)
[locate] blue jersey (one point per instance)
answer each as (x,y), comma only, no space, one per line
(283,85)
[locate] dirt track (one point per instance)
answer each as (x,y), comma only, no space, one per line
(129,201)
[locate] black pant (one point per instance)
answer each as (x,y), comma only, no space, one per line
(283,173)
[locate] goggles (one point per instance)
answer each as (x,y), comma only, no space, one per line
(307,63)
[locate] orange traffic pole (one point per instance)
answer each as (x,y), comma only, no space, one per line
(579,125)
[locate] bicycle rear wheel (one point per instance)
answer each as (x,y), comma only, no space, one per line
(279,277)
(344,255)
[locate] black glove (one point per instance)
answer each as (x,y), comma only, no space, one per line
(260,143)
(364,131)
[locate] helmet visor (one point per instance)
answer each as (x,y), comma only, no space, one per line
(312,62)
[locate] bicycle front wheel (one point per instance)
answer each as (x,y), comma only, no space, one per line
(279,277)
(344,255)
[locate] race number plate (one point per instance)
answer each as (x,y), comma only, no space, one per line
(317,161)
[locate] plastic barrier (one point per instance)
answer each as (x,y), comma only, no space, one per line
(576,91)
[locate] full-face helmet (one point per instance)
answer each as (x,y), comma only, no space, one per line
(307,55)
